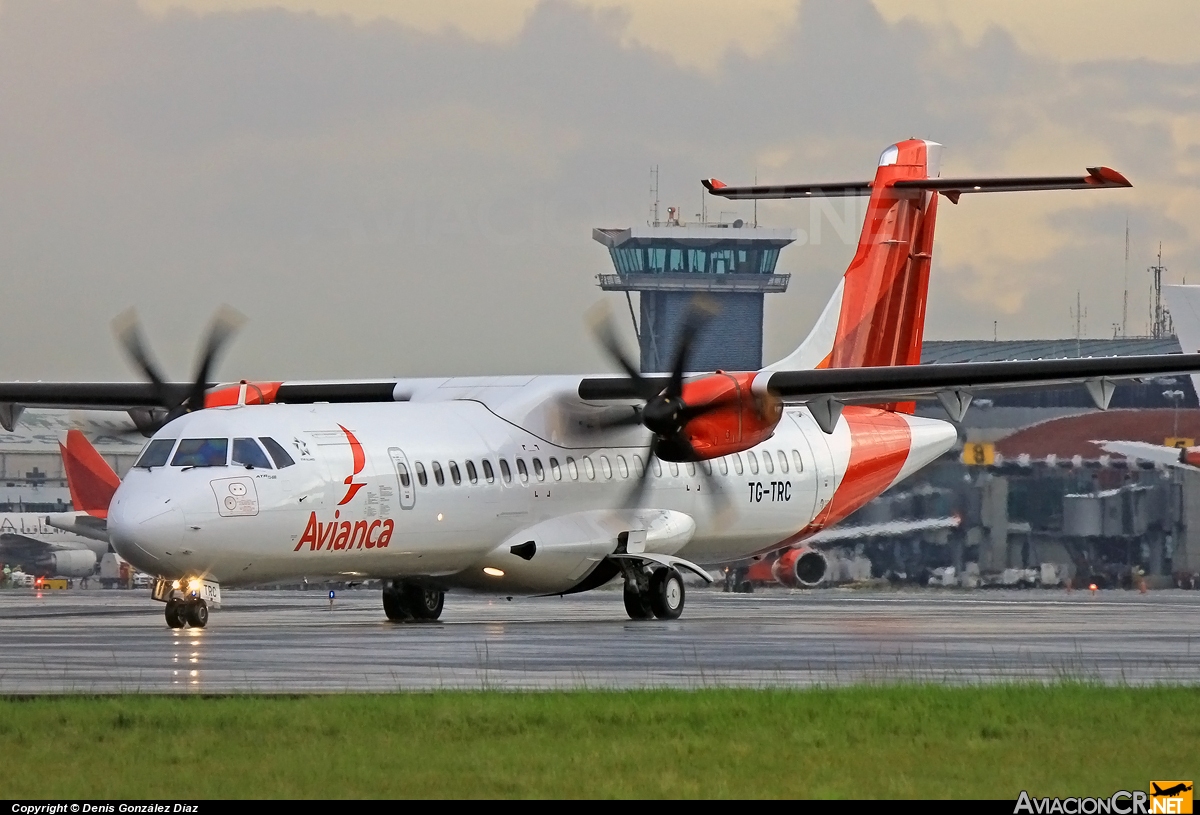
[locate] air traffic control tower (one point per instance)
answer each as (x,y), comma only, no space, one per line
(668,263)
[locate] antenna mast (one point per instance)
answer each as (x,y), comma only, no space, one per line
(1162,327)
(654,195)
(1125,301)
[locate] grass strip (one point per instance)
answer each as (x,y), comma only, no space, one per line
(923,741)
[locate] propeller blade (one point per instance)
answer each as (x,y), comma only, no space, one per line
(600,319)
(700,311)
(225,323)
(633,419)
(722,504)
(128,331)
(634,498)
(690,412)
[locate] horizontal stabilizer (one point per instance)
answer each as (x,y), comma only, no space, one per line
(952,188)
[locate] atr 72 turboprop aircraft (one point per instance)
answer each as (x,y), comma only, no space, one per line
(554,484)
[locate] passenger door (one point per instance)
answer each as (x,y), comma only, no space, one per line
(404,478)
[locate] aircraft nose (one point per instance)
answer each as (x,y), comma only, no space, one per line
(144,529)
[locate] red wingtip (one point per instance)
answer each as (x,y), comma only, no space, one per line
(711,184)
(90,479)
(1107,176)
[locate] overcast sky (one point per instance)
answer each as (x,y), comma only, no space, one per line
(408,188)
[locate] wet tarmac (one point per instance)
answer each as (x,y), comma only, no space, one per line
(294,641)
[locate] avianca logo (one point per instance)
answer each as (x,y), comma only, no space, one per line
(335,536)
(360,460)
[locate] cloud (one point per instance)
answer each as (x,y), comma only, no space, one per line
(694,33)
(386,190)
(1068,30)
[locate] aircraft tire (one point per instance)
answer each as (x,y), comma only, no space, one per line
(637,604)
(196,614)
(174,614)
(424,603)
(394,607)
(666,594)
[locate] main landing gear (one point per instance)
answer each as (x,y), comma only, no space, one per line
(411,602)
(658,593)
(193,612)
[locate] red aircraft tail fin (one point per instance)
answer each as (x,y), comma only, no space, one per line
(89,477)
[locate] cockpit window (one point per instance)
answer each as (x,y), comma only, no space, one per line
(278,454)
(156,453)
(201,453)
(247,453)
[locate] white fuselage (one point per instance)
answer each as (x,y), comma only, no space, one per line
(542,483)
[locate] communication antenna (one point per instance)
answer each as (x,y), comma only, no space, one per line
(654,196)
(1162,327)
(1079,315)
(1125,302)
(756,200)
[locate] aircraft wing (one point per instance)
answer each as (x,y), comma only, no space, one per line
(839,534)
(19,547)
(135,395)
(904,382)
(1170,456)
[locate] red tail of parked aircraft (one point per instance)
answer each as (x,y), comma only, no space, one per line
(89,477)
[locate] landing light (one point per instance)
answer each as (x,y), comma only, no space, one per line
(488,570)
(175,584)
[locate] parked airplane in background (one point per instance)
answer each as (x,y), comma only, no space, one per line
(557,484)
(65,544)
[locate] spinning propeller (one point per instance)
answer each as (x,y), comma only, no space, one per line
(664,411)
(174,401)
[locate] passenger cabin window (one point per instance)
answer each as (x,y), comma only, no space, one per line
(156,454)
(522,472)
(555,470)
(247,453)
(605,467)
(783,465)
(201,453)
(488,472)
(622,467)
(589,469)
(505,472)
(455,475)
(278,454)
(768,464)
(737,463)
(402,474)
(422,476)
(438,475)
(675,468)
(472,473)
(572,469)
(657,467)
(753,459)
(706,465)
(638,468)
(724,463)
(799,462)
(537,469)
(691,467)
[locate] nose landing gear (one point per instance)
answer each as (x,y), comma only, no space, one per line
(405,601)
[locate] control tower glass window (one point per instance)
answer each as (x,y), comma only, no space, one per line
(689,260)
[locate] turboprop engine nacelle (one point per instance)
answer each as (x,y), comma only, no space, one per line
(742,419)
(800,567)
(69,563)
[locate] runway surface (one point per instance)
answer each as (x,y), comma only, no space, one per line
(292,641)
